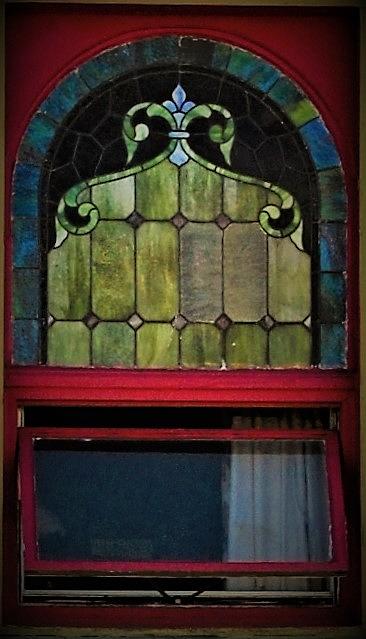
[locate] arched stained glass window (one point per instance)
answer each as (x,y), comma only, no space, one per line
(179,203)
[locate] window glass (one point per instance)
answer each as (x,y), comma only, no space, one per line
(193,216)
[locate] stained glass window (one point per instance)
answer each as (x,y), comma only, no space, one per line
(178,203)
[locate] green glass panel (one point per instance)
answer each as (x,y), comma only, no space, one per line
(115,200)
(200,192)
(246,345)
(157,346)
(245,272)
(69,278)
(157,192)
(68,344)
(201,272)
(113,344)
(289,346)
(242,202)
(113,274)
(157,271)
(289,281)
(201,346)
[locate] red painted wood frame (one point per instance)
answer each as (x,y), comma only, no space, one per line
(303,44)
(337,564)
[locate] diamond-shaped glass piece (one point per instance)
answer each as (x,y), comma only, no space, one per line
(222,221)
(135,321)
(135,219)
(179,322)
(267,322)
(223,321)
(90,320)
(50,320)
(179,220)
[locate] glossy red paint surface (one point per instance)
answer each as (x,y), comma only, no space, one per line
(317,49)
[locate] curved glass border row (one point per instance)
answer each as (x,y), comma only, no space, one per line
(218,56)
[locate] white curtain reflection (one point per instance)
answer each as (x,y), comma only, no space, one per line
(276,505)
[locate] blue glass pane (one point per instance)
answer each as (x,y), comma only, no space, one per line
(333,199)
(25,341)
(26,293)
(106,66)
(320,143)
(25,243)
(64,97)
(137,501)
(333,346)
(332,305)
(248,66)
(332,247)
(37,138)
(25,189)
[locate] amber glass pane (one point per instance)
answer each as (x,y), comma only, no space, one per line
(201,272)
(242,202)
(246,345)
(157,192)
(201,346)
(115,199)
(113,274)
(157,271)
(245,265)
(288,281)
(157,346)
(113,344)
(69,278)
(69,344)
(289,346)
(200,192)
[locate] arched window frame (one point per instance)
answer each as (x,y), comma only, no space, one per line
(315,387)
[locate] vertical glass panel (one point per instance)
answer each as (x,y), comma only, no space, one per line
(245,272)
(200,192)
(332,247)
(201,346)
(332,297)
(26,293)
(69,344)
(289,345)
(113,344)
(157,271)
(246,345)
(333,345)
(201,272)
(242,202)
(115,200)
(69,278)
(157,346)
(157,192)
(113,274)
(25,337)
(25,243)
(333,195)
(289,286)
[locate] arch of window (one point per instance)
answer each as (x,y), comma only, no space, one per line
(204,115)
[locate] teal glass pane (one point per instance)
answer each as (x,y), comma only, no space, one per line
(25,243)
(26,295)
(25,341)
(332,247)
(25,188)
(333,346)
(332,297)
